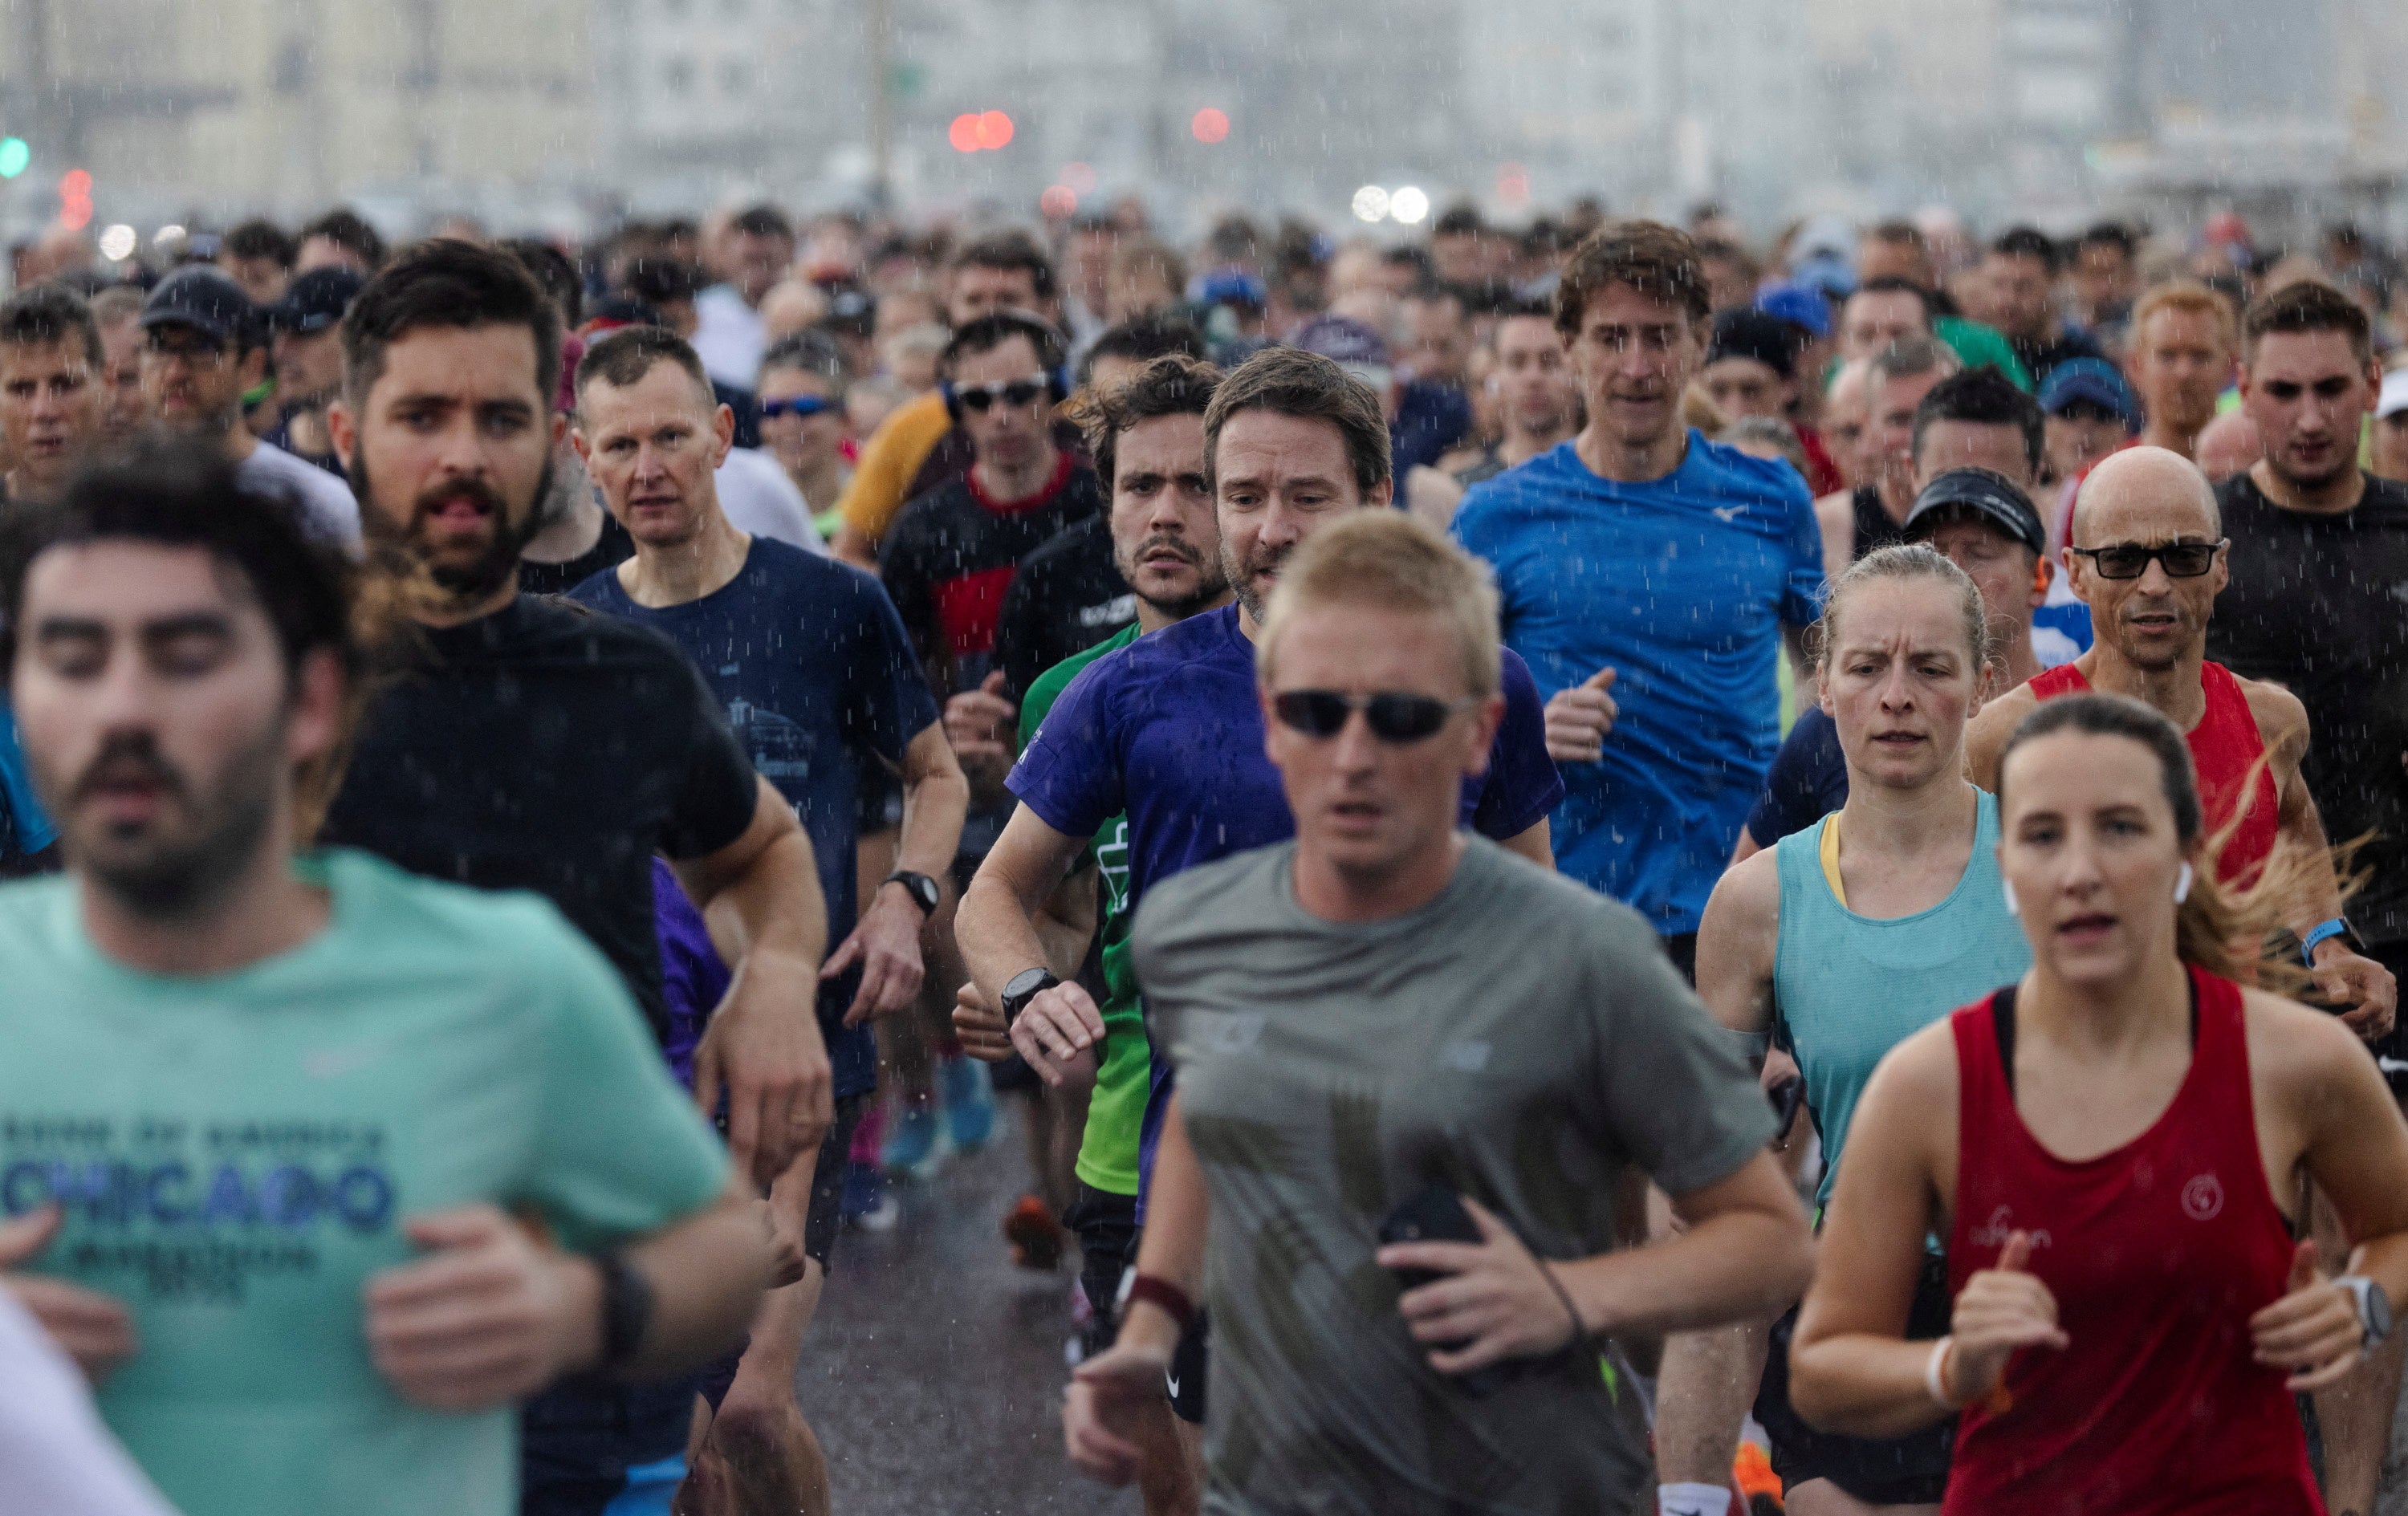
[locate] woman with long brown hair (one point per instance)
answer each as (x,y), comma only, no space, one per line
(2113,1150)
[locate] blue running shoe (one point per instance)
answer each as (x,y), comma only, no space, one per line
(970,1102)
(911,1146)
(867,1203)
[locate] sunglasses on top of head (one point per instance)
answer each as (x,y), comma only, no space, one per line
(801,405)
(1393,715)
(2131,560)
(1013,392)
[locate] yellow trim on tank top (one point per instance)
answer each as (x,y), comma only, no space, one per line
(1829,851)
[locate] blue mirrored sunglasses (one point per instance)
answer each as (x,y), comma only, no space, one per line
(801,405)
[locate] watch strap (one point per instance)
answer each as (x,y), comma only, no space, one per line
(2374,1322)
(627,1310)
(1167,1297)
(1015,999)
(923,891)
(2323,931)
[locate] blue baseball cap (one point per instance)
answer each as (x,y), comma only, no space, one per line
(1229,286)
(2094,381)
(1800,303)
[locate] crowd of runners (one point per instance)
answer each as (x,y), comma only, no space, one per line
(1598,862)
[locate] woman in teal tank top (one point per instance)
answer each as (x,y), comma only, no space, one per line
(1848,938)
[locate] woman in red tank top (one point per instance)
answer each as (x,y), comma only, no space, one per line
(2229,756)
(2112,1148)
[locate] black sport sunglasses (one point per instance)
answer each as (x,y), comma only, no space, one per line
(2131,560)
(1015,393)
(1394,716)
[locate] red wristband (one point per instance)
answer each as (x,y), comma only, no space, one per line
(1168,1297)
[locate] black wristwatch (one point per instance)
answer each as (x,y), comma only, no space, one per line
(1026,986)
(922,889)
(626,1311)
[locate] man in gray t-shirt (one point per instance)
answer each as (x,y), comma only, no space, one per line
(1386,1002)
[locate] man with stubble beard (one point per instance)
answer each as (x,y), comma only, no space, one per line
(525,744)
(2319,559)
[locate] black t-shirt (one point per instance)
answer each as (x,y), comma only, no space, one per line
(1808,780)
(2319,604)
(1068,596)
(951,554)
(547,748)
(1876,526)
(612,548)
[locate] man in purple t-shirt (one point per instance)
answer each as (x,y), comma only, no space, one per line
(1170,730)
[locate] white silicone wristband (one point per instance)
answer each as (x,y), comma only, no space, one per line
(1932,1380)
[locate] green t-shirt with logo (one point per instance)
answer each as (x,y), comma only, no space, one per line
(1116,1109)
(235,1155)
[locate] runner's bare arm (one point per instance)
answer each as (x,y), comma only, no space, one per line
(998,932)
(2343,975)
(2328,1103)
(1851,1368)
(1536,845)
(1986,734)
(1835,514)
(1744,1252)
(764,1043)
(1736,942)
(1709,1377)
(886,939)
(489,1314)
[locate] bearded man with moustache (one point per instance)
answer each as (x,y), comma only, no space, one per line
(522,743)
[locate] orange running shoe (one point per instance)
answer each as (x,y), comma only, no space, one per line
(1035,1236)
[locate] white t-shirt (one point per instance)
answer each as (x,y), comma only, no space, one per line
(272,470)
(55,1456)
(760,499)
(728,337)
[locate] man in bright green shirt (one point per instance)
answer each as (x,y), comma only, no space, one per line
(315,1167)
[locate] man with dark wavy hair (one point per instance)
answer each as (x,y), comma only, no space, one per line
(1650,577)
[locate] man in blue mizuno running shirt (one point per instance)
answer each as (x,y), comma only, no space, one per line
(1649,576)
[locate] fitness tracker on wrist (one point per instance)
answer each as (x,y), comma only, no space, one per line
(922,889)
(2374,1309)
(626,1311)
(1026,986)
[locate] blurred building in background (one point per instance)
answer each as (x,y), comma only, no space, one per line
(511,108)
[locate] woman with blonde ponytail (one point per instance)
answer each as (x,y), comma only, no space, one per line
(2113,1149)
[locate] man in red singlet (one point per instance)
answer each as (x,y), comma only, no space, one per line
(2147,556)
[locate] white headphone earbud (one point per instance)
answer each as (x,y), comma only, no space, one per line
(2182,884)
(2008,886)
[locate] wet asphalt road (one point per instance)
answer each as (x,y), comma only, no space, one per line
(934,1373)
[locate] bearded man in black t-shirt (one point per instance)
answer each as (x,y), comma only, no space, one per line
(527,744)
(2318,602)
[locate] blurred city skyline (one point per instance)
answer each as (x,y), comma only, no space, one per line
(554,115)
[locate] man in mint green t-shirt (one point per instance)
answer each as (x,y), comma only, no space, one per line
(317,1168)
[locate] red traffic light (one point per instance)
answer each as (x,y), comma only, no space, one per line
(994,129)
(1209,126)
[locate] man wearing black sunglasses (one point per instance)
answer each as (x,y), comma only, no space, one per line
(2148,558)
(1379,1019)
(1170,731)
